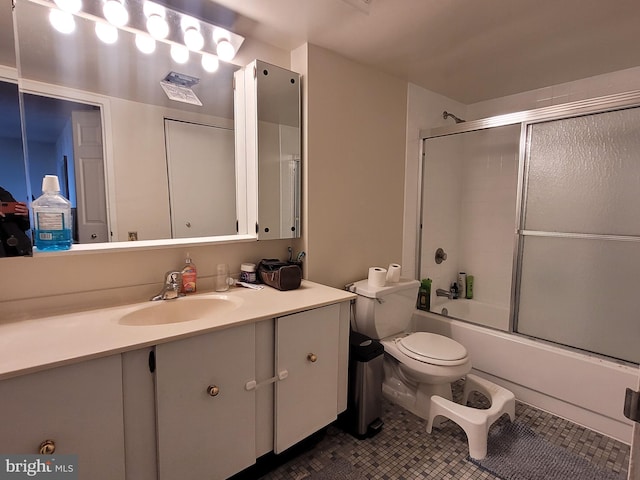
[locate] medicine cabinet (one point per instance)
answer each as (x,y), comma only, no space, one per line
(272,143)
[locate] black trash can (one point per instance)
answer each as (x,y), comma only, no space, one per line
(362,418)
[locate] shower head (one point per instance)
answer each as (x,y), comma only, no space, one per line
(446,115)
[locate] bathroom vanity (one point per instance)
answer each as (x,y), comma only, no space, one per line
(160,397)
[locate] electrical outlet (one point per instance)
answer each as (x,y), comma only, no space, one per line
(133,236)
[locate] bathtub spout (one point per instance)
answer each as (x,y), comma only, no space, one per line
(444,293)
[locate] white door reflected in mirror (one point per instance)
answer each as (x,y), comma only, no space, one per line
(202,179)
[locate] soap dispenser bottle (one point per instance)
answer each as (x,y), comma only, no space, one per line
(189,276)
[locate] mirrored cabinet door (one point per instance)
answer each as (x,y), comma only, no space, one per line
(273,141)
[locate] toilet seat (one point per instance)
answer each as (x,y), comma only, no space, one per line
(432,348)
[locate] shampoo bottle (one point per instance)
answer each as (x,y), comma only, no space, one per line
(52,217)
(469,289)
(189,276)
(424,295)
(462,285)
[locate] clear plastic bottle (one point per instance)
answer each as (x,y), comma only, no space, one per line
(189,276)
(52,217)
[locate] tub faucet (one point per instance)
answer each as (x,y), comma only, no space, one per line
(171,288)
(440,292)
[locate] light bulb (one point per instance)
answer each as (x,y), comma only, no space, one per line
(225,50)
(179,53)
(107,33)
(145,43)
(62,21)
(115,12)
(220,34)
(193,39)
(157,26)
(70,6)
(210,62)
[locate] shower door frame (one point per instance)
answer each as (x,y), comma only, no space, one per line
(525,119)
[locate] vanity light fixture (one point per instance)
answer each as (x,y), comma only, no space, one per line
(115,12)
(149,22)
(145,43)
(106,32)
(70,6)
(62,21)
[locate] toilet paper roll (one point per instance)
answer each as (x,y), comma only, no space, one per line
(393,273)
(377,276)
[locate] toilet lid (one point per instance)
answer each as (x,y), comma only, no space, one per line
(432,348)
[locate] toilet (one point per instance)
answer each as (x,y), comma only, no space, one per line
(419,367)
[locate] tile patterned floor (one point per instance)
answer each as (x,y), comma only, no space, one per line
(403,449)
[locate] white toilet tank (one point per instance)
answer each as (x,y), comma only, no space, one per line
(384,311)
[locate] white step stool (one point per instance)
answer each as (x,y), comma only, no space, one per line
(474,421)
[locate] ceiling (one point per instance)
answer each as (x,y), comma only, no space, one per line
(468,50)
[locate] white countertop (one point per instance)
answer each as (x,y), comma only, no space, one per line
(28,346)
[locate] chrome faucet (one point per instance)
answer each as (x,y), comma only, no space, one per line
(440,292)
(171,288)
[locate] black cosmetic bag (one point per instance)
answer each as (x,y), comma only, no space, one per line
(278,274)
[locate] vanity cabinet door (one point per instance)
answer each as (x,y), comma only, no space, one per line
(205,414)
(78,407)
(307,362)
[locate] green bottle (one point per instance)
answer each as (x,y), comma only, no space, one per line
(469,289)
(424,295)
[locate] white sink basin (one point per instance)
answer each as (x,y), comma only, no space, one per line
(183,309)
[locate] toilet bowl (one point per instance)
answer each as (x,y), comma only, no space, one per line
(419,365)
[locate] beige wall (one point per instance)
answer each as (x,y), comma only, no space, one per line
(354,172)
(355,119)
(48,284)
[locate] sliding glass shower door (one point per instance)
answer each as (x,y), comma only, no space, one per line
(578,279)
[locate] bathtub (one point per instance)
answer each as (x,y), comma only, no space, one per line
(585,389)
(494,316)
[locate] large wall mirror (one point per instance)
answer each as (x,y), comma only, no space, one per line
(135,164)
(13,180)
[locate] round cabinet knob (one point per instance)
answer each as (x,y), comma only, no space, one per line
(213,390)
(47,447)
(312,357)
(94,236)
(188,224)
